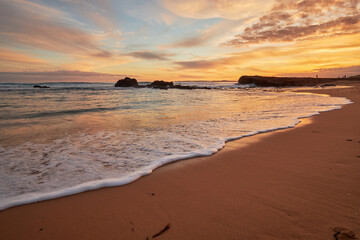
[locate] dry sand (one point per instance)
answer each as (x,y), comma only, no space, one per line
(298,183)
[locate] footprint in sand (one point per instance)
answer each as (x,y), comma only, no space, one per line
(343,233)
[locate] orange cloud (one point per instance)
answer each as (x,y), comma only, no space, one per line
(199,64)
(305,56)
(60,75)
(18,57)
(301,20)
(226,9)
(217,31)
(148,55)
(15,60)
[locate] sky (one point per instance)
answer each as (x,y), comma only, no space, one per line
(105,40)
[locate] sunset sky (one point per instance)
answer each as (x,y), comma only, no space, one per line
(104,40)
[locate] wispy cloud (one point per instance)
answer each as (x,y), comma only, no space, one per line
(62,73)
(291,20)
(216,31)
(27,24)
(200,64)
(148,55)
(17,57)
(209,39)
(99,13)
(226,9)
(301,57)
(59,75)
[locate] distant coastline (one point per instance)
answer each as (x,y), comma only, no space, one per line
(262,81)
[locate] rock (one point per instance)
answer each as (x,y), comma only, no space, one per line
(39,86)
(158,84)
(355,77)
(261,81)
(127,82)
(328,85)
(184,87)
(161,84)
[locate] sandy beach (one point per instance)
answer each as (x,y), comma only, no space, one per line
(298,183)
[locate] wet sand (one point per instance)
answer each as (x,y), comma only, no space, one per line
(296,183)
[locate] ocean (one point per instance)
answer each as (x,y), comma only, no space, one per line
(74,137)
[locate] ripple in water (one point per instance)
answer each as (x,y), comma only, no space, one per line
(106,136)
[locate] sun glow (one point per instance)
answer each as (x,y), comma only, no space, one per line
(215,40)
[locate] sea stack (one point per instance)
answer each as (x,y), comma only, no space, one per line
(127,82)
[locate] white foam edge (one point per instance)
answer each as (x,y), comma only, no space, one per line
(112,182)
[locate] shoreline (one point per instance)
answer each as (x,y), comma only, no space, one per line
(116,182)
(207,198)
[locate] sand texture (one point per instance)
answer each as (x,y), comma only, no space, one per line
(300,183)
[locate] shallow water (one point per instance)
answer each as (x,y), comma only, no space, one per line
(79,136)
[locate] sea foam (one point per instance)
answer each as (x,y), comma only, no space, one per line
(119,145)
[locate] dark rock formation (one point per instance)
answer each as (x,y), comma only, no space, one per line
(185,87)
(354,77)
(158,84)
(39,86)
(161,84)
(283,81)
(190,87)
(127,82)
(328,85)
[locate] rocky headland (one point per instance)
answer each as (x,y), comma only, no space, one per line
(261,81)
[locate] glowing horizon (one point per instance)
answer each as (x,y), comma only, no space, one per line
(101,40)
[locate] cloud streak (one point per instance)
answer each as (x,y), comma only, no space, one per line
(302,57)
(8,55)
(148,55)
(168,39)
(200,64)
(23,23)
(100,13)
(301,20)
(203,38)
(226,9)
(59,75)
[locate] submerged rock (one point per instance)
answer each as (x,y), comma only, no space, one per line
(161,84)
(127,82)
(328,85)
(39,86)
(185,87)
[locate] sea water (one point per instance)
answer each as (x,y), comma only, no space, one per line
(74,137)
